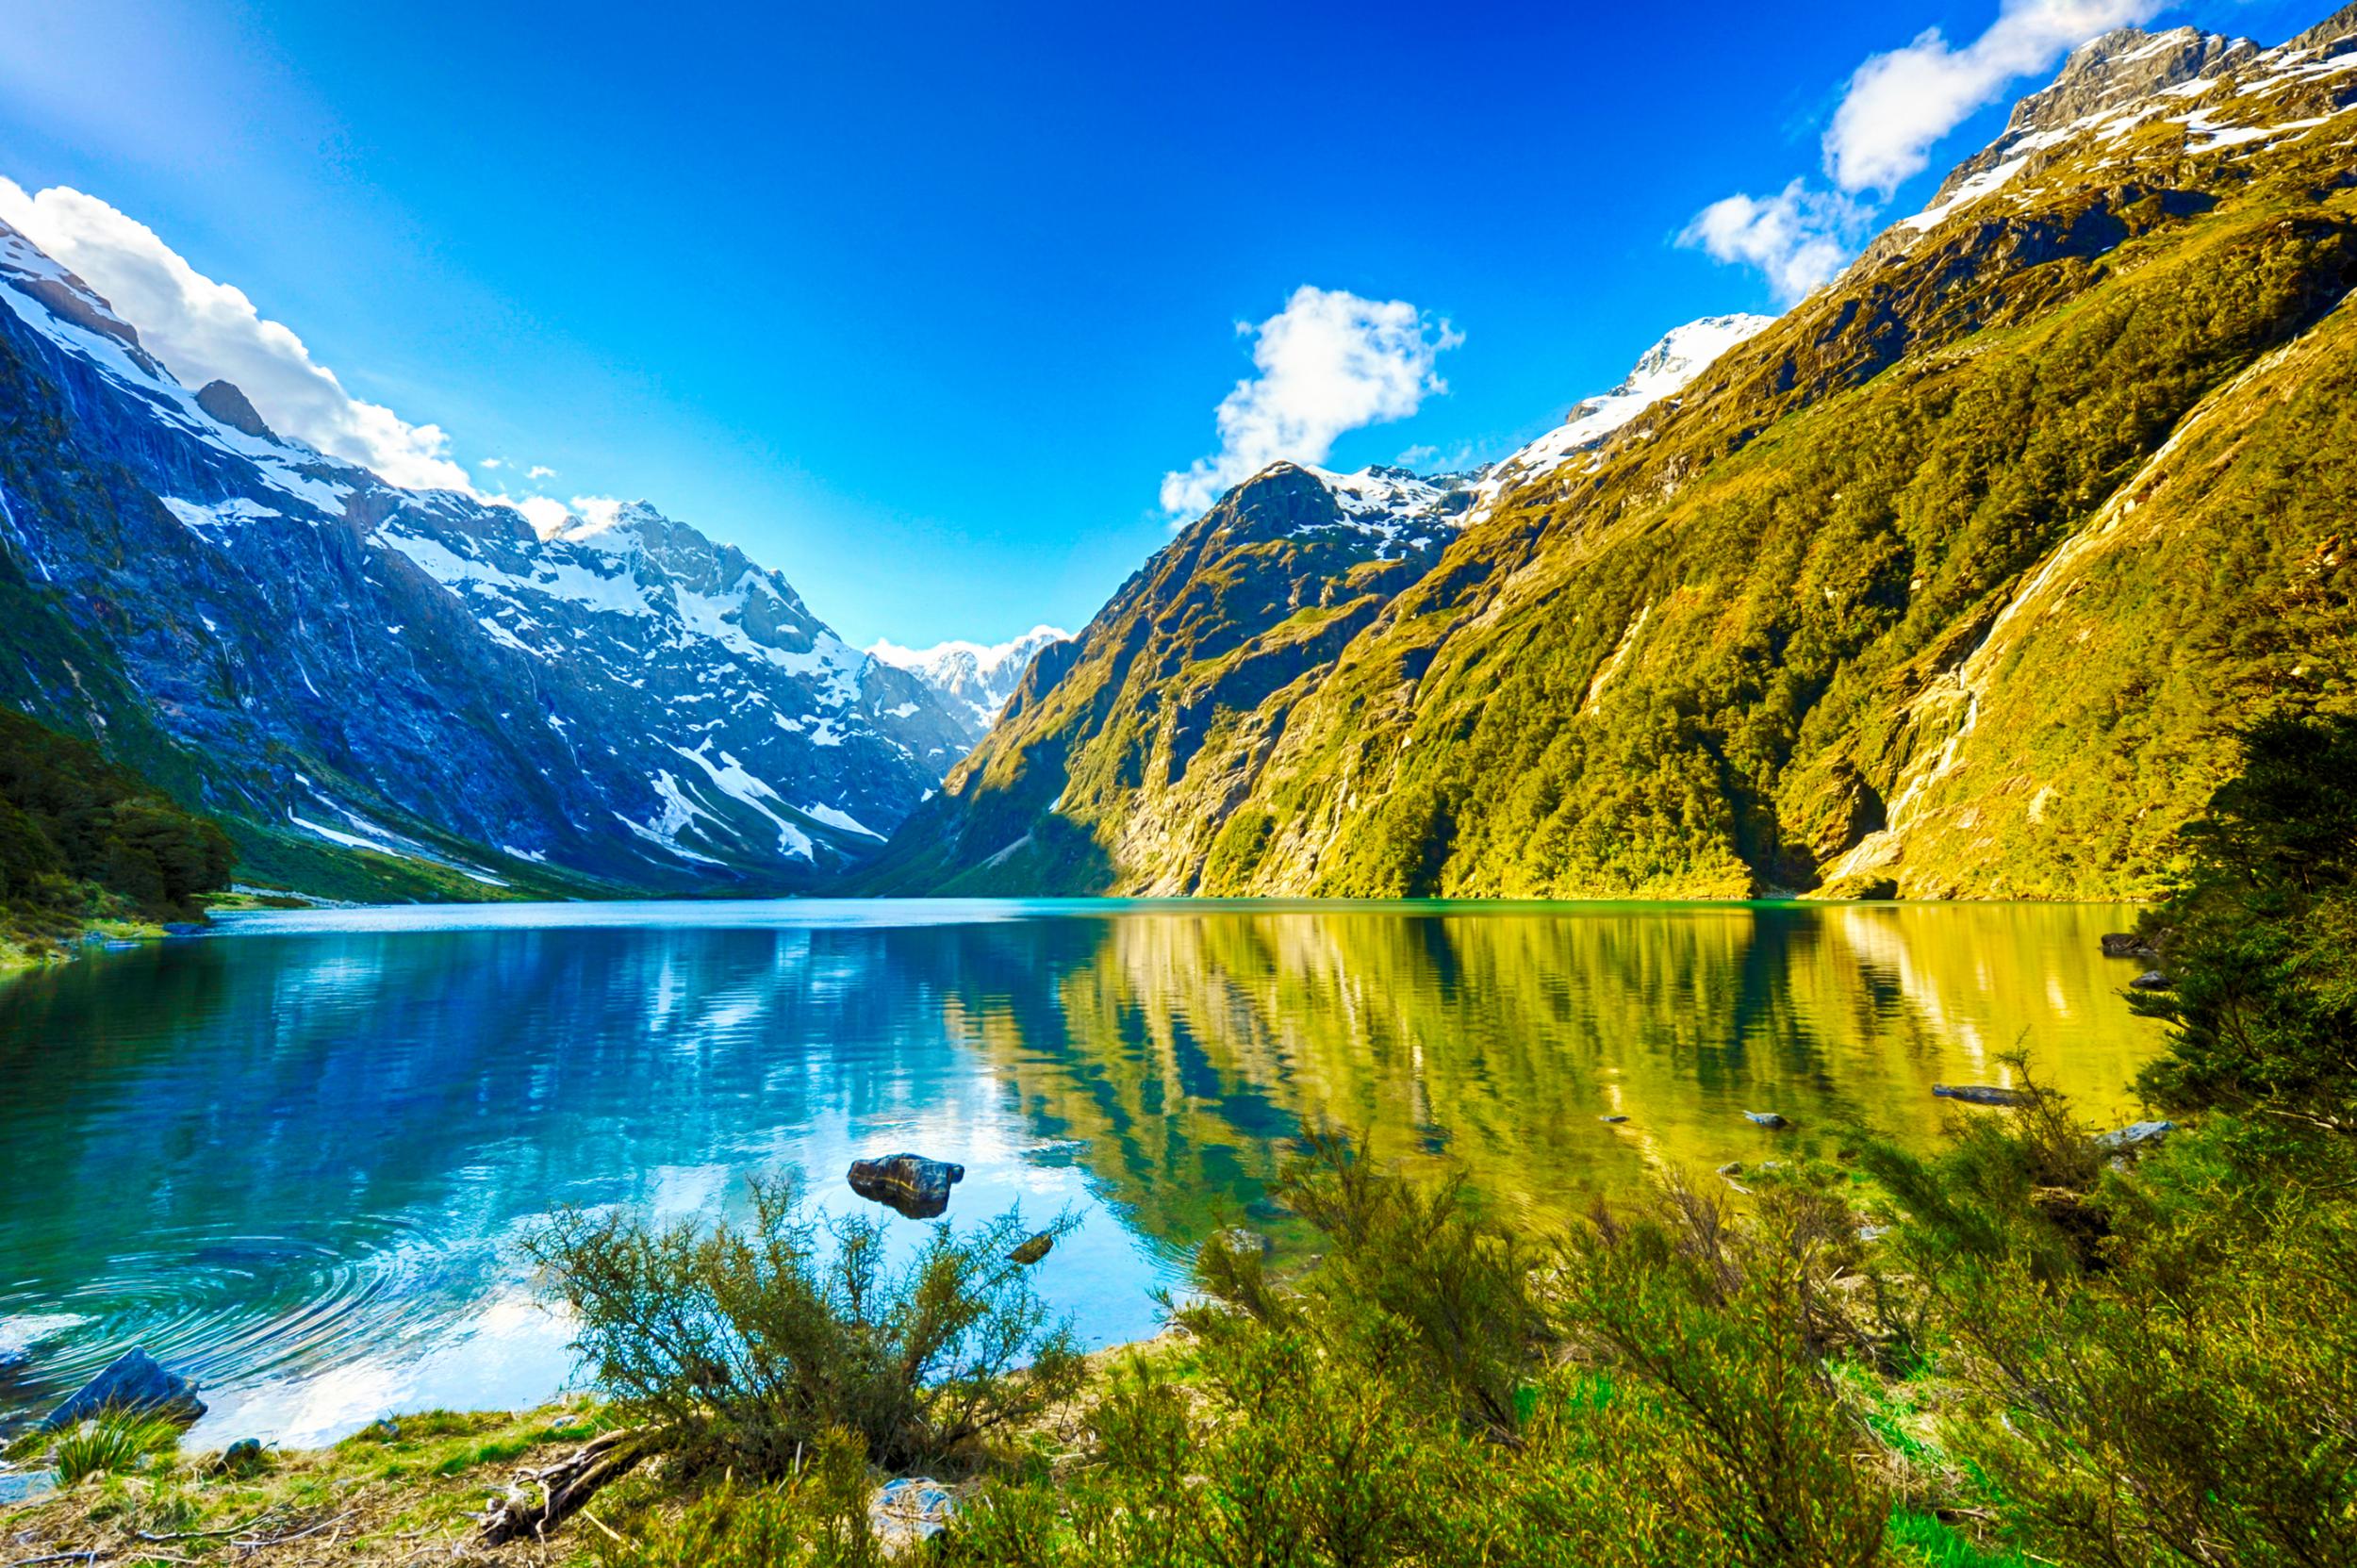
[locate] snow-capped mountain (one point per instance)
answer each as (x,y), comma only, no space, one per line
(324,657)
(973,678)
(1661,372)
(1402,511)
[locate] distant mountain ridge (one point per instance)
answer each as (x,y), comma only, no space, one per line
(1235,617)
(974,679)
(1951,582)
(337,665)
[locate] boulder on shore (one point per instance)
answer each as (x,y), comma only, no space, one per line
(911,1183)
(1980,1094)
(134,1380)
(907,1512)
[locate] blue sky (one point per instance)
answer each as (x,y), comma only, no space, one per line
(920,304)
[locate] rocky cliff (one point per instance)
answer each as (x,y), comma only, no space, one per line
(392,692)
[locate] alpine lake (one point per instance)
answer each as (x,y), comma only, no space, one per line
(293,1159)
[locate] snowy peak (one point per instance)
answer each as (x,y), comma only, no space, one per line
(974,679)
(1403,511)
(600,689)
(30,271)
(2131,93)
(1661,372)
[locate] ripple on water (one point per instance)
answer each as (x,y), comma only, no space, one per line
(225,1308)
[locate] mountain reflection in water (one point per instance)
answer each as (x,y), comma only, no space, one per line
(296,1159)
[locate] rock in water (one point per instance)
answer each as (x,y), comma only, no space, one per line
(134,1380)
(910,1183)
(24,1486)
(1033,1250)
(2126,944)
(2152,980)
(1765,1119)
(1979,1094)
(2135,1135)
(1612,1121)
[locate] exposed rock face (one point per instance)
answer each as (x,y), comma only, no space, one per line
(225,403)
(1868,605)
(336,664)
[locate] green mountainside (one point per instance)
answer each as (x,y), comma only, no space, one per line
(1956,582)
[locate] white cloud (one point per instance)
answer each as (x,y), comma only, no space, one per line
(539,470)
(1329,362)
(492,463)
(598,513)
(207,331)
(1798,237)
(1896,108)
(1900,104)
(546,514)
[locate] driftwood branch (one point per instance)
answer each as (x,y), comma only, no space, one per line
(541,1499)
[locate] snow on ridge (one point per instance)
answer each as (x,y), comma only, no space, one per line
(972,677)
(1661,372)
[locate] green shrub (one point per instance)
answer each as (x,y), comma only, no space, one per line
(1725,1440)
(111,1443)
(72,822)
(2259,936)
(2183,1388)
(752,1343)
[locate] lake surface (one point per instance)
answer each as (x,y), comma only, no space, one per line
(294,1158)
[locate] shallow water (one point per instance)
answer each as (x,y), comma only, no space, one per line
(294,1158)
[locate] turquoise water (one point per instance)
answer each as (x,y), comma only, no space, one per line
(294,1158)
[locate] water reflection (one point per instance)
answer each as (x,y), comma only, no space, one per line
(296,1159)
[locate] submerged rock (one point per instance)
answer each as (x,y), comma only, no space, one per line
(910,1183)
(1033,1250)
(2126,944)
(22,1486)
(2135,1135)
(134,1380)
(1765,1119)
(1980,1094)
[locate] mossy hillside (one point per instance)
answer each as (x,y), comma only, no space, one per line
(1246,605)
(1800,599)
(1718,663)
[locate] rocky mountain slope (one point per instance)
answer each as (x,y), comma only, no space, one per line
(389,692)
(1951,582)
(1202,654)
(972,679)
